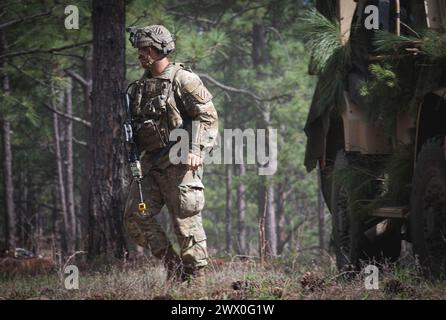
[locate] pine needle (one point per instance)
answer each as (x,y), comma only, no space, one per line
(329,58)
(387,42)
(321,35)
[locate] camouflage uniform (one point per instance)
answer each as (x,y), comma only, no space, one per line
(184,99)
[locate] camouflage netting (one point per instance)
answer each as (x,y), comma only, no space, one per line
(396,82)
(329,61)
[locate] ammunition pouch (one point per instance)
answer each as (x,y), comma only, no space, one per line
(152,136)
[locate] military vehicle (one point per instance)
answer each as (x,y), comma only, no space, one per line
(364,229)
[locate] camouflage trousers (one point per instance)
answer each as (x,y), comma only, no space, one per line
(182,191)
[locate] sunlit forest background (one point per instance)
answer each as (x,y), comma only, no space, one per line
(58,197)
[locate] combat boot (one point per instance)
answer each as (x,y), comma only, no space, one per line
(195,277)
(173,265)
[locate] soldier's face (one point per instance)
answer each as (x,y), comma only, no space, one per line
(145,58)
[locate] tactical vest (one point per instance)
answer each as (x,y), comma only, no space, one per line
(155,111)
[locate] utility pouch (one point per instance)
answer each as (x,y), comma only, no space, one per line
(151,136)
(174,118)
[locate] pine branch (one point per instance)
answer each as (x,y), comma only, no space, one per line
(389,42)
(192,18)
(322,36)
(72,118)
(242,91)
(24,19)
(51,50)
(289,235)
(76,76)
(80,142)
(229,88)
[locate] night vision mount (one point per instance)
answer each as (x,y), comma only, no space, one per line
(133,38)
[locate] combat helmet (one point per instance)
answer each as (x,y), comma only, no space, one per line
(155,35)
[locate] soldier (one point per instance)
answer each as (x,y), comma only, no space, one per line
(170,96)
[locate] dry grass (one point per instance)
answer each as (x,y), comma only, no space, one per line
(226,279)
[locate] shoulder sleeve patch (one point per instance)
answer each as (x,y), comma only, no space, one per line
(202,94)
(193,88)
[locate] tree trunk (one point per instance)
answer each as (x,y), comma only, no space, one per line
(83,176)
(66,248)
(270,220)
(260,54)
(228,181)
(69,168)
(261,212)
(260,58)
(10,218)
(30,212)
(241,212)
(24,212)
(106,234)
(20,212)
(228,222)
(8,185)
(281,220)
(58,239)
(267,210)
(38,235)
(86,152)
(321,215)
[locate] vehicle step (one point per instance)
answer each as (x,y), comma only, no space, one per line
(391,212)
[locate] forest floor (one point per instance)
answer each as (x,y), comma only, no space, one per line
(227,279)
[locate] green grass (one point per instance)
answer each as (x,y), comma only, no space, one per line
(287,279)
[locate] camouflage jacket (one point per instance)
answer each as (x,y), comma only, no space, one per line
(176,98)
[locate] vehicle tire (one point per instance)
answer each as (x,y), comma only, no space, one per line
(347,232)
(349,224)
(428,209)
